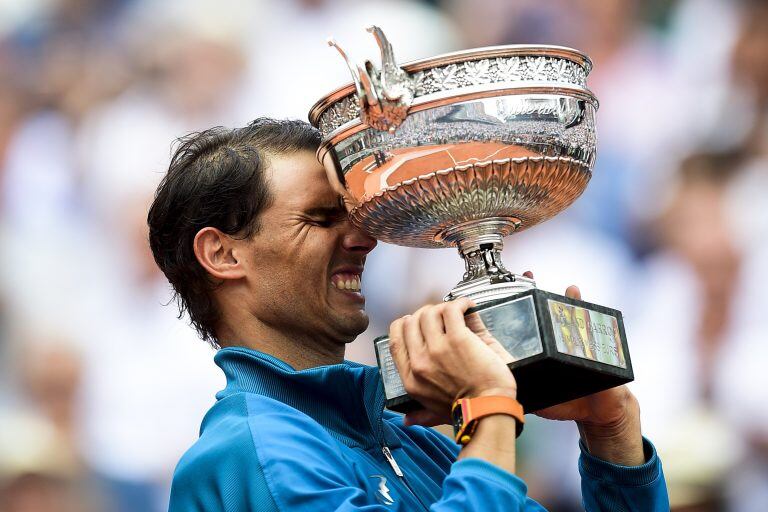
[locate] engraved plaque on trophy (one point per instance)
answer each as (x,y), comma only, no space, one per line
(461,150)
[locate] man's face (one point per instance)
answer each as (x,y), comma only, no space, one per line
(304,266)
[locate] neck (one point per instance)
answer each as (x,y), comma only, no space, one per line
(298,350)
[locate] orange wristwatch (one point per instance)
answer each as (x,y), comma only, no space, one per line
(466,412)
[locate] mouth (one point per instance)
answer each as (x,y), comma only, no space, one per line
(347,281)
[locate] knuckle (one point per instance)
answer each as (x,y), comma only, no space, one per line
(396,325)
(451,304)
(456,338)
(409,383)
(462,301)
(426,318)
(456,307)
(422,309)
(419,366)
(425,309)
(411,386)
(438,350)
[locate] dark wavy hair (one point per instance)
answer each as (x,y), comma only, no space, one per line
(216,178)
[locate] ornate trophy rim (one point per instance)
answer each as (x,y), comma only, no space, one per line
(457,96)
(474,54)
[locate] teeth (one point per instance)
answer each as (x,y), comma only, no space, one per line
(349,282)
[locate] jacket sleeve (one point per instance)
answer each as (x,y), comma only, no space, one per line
(610,487)
(474,484)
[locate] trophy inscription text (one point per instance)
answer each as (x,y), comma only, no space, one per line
(585,333)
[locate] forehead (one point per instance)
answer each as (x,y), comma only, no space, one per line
(298,181)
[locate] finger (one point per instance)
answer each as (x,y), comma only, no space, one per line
(412,337)
(573,292)
(425,418)
(528,274)
(453,315)
(397,347)
(474,322)
(432,324)
(500,351)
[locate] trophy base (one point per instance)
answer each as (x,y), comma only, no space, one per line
(559,349)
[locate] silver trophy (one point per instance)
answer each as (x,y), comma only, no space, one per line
(461,150)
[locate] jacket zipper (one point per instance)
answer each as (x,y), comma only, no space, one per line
(392,462)
(379,435)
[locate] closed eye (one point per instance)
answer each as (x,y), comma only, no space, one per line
(324,222)
(326,217)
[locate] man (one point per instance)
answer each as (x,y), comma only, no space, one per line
(263,258)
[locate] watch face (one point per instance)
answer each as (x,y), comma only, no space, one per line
(457,415)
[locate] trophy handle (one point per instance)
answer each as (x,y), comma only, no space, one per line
(352,69)
(392,76)
(384,96)
(371,98)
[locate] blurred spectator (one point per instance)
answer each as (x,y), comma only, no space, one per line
(633,81)
(750,61)
(50,376)
(685,328)
(38,472)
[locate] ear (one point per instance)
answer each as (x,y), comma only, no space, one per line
(214,250)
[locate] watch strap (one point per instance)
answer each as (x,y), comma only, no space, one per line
(473,409)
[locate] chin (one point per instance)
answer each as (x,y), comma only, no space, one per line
(351,328)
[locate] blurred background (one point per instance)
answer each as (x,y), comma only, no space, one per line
(102,388)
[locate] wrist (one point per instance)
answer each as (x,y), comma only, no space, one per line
(493,442)
(619,441)
(508,391)
(618,424)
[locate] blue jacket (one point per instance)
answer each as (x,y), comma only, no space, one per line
(320,440)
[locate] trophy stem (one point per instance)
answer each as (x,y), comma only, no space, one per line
(480,243)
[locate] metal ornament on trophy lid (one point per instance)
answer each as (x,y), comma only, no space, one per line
(461,150)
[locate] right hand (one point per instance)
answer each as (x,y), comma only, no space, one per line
(440,359)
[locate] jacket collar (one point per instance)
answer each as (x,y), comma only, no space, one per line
(346,398)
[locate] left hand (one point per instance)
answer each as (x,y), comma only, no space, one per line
(609,421)
(605,408)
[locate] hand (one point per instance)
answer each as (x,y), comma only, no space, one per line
(608,421)
(440,359)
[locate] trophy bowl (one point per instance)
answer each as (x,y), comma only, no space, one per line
(461,150)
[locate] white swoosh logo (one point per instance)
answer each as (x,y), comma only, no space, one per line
(383,491)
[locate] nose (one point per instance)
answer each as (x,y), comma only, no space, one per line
(357,241)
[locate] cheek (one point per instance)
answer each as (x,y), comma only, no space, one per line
(292,265)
